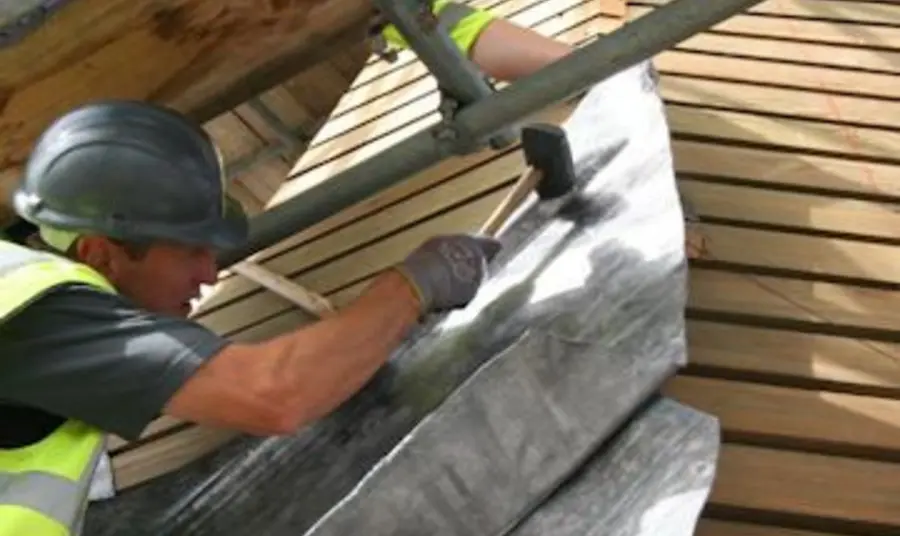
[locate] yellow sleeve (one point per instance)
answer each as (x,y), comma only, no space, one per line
(465,24)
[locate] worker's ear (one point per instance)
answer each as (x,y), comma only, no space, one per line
(100,254)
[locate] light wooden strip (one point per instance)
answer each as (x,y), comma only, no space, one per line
(804,356)
(285,321)
(403,86)
(166,455)
(812,77)
(789,251)
(707,92)
(422,111)
(232,136)
(332,155)
(159,425)
(710,527)
(362,262)
(711,196)
(781,168)
(808,104)
(338,218)
(779,50)
(799,134)
(378,222)
(507,9)
(303,298)
(813,212)
(835,31)
(835,10)
(803,484)
(812,301)
(843,420)
(817,78)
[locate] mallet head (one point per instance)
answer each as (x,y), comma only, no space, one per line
(546,148)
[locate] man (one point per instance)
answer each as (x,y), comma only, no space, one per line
(97,341)
(94,338)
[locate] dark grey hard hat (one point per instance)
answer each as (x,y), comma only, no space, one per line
(133,171)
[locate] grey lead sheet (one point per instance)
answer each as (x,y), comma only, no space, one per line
(652,480)
(485,411)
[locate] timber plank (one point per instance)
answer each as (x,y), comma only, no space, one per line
(411,185)
(884,61)
(817,302)
(788,133)
(836,31)
(291,319)
(818,489)
(800,103)
(422,105)
(404,87)
(384,222)
(794,358)
(780,168)
(332,146)
(712,527)
(365,261)
(808,254)
(835,10)
(773,72)
(795,210)
(839,422)
(731,211)
(159,425)
(407,86)
(166,455)
(333,155)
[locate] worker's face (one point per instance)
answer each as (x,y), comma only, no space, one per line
(162,278)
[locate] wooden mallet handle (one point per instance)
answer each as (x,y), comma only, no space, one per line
(520,190)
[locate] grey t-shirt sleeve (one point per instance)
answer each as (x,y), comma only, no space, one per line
(85,354)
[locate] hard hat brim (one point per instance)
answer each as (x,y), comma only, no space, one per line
(228,231)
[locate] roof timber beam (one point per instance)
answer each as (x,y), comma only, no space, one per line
(203,57)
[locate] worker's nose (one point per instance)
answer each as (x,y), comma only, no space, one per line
(207,269)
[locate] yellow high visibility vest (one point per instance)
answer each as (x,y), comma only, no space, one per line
(464,24)
(44,486)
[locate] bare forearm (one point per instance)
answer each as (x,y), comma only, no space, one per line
(277,386)
(506,51)
(321,366)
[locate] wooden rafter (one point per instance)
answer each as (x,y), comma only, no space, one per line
(203,57)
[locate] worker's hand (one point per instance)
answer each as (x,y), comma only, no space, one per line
(446,271)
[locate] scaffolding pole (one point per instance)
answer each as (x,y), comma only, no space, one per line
(476,123)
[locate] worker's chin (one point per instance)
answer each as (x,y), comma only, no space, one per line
(184,310)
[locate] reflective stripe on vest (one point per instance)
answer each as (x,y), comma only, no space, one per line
(462,22)
(44,486)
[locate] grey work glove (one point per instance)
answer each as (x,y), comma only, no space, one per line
(446,271)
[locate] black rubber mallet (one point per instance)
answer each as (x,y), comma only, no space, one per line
(550,172)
